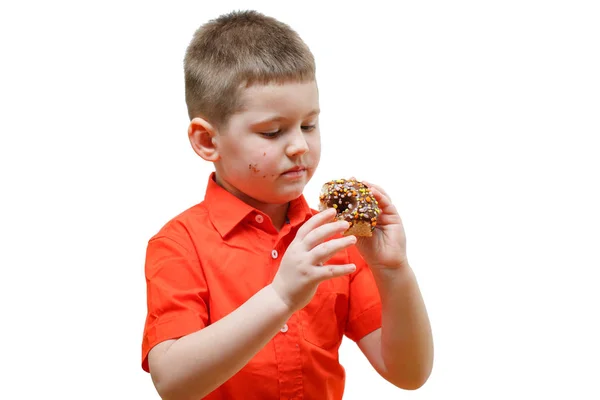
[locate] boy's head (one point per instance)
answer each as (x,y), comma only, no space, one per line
(234,52)
(253,103)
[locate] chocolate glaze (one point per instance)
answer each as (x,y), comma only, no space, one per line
(352,200)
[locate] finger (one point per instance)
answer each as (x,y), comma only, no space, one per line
(384,200)
(315,221)
(324,232)
(379,189)
(324,251)
(333,271)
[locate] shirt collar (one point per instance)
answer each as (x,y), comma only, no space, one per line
(226,211)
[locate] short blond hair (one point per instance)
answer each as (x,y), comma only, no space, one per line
(237,50)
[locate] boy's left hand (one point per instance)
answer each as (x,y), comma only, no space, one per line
(386,249)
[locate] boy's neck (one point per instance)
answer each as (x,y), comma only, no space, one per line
(277,213)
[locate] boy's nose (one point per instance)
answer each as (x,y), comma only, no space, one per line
(298,144)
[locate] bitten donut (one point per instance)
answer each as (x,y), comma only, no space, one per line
(353,202)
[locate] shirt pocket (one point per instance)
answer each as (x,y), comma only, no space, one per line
(324,318)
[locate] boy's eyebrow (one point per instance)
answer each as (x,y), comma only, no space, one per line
(313,112)
(279,118)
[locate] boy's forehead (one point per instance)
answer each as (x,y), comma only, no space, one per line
(295,97)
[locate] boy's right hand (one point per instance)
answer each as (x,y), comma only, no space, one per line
(301,269)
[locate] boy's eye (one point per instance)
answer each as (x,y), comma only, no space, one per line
(271,134)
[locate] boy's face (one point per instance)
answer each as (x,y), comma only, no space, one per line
(270,149)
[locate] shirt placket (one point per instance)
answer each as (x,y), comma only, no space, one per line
(287,349)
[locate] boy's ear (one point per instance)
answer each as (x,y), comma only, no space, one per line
(202,137)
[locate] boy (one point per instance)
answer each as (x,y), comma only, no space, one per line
(250,292)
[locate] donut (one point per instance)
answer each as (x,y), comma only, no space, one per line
(354,202)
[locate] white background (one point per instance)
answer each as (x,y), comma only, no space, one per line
(481,119)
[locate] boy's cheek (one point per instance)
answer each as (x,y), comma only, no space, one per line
(259,167)
(254,167)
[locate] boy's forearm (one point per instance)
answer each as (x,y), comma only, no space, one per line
(197,364)
(406,338)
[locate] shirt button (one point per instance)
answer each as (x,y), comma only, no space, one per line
(285,328)
(259,218)
(274,254)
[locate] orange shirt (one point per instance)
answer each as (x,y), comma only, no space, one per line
(210,259)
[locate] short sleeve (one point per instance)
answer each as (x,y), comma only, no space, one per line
(365,304)
(177,294)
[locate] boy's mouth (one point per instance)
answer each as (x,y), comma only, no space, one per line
(297,170)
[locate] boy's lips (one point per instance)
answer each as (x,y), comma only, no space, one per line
(297,170)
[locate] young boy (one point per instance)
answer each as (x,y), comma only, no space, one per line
(251,291)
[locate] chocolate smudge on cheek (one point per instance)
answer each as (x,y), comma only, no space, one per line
(253,168)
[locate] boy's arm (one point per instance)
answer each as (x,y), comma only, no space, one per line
(401,350)
(194,365)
